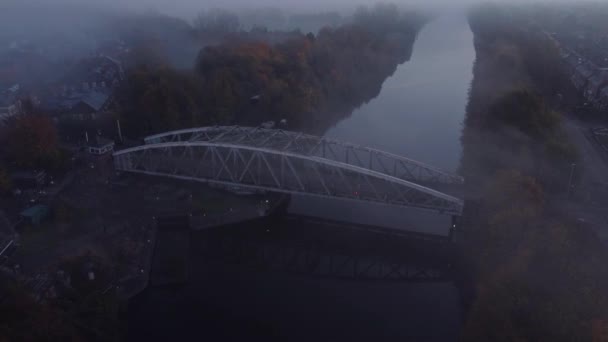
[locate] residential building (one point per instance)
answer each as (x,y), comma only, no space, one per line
(79,104)
(10,105)
(594,86)
(95,73)
(87,105)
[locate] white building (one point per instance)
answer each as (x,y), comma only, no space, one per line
(100,146)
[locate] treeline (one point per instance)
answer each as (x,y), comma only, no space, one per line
(537,274)
(30,141)
(300,79)
(511,120)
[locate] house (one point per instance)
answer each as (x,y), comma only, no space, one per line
(80,105)
(10,105)
(95,73)
(36,214)
(116,49)
(100,146)
(582,73)
(87,105)
(594,85)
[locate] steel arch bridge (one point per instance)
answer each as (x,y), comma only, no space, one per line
(291,162)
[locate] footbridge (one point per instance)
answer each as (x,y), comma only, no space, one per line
(292,162)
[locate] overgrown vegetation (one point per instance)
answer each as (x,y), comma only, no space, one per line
(32,141)
(537,273)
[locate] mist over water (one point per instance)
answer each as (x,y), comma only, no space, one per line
(418,114)
(420,109)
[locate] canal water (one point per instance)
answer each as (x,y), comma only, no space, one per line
(421,108)
(418,114)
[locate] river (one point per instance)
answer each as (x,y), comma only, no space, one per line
(418,114)
(421,108)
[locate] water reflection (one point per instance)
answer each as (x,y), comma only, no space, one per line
(421,107)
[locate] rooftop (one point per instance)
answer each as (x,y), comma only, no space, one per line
(95,99)
(15,88)
(35,211)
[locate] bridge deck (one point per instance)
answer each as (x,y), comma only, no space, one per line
(291,163)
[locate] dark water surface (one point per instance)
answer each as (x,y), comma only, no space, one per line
(418,114)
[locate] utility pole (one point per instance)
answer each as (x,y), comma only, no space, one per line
(119,130)
(570,185)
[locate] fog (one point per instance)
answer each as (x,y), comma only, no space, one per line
(187,8)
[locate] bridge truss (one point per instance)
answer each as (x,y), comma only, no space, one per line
(313,146)
(281,161)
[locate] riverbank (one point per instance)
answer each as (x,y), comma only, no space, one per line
(537,272)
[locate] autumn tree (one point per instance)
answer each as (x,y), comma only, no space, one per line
(155,99)
(301,78)
(33,141)
(5,181)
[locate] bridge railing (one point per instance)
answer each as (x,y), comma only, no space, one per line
(308,145)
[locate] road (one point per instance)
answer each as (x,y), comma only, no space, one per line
(585,206)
